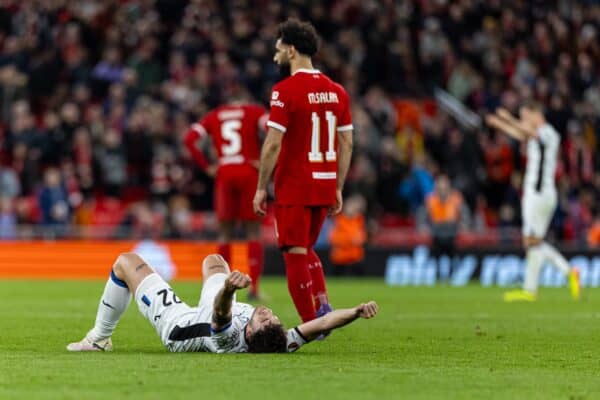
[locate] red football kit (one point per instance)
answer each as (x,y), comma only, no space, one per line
(310,109)
(234,130)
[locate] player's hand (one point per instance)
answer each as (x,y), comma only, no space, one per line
(504,113)
(237,280)
(493,120)
(339,202)
(260,202)
(211,170)
(367,310)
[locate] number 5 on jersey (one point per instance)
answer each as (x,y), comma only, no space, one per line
(315,154)
(230,132)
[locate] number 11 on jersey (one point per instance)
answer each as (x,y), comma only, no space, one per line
(315,154)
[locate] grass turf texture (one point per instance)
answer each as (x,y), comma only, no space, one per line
(426,343)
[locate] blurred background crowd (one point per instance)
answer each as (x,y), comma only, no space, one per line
(95,96)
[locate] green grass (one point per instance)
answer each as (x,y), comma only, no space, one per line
(446,343)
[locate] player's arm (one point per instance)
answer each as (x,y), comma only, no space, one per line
(195,139)
(336,319)
(496,122)
(504,114)
(268,158)
(344,158)
(224,300)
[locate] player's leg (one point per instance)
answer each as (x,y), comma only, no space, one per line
(533,265)
(292,229)
(214,264)
(126,274)
(225,204)
(556,259)
(247,182)
(319,288)
(534,261)
(545,206)
(215,270)
(225,236)
(255,255)
(559,262)
(533,255)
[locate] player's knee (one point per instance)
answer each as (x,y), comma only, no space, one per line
(126,262)
(214,263)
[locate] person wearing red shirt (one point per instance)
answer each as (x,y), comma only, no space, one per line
(309,146)
(234,129)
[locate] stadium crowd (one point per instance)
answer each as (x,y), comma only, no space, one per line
(95,96)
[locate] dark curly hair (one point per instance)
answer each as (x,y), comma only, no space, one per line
(270,339)
(301,35)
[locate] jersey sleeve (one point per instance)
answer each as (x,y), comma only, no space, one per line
(295,340)
(345,122)
(192,140)
(229,338)
(280,109)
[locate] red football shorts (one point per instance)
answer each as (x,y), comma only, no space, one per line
(235,186)
(298,226)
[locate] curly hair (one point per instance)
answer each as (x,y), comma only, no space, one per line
(270,339)
(301,35)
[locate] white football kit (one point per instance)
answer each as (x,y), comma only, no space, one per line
(539,190)
(184,329)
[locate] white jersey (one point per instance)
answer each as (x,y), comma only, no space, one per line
(185,329)
(539,188)
(542,153)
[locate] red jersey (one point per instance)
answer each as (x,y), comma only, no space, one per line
(310,109)
(234,132)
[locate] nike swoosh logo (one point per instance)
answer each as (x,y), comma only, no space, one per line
(96,345)
(107,305)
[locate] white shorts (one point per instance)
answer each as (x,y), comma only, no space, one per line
(168,314)
(538,210)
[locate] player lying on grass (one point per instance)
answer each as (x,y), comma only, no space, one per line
(218,324)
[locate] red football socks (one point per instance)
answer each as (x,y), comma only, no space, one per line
(255,261)
(225,252)
(300,284)
(319,289)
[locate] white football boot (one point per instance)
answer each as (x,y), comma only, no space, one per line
(87,344)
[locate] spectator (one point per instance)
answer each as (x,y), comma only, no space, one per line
(593,234)
(139,69)
(9,183)
(348,236)
(445,214)
(53,200)
(8,219)
(111,158)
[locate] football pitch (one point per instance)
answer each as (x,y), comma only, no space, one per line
(426,343)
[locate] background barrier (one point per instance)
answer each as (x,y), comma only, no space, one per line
(76,259)
(93,259)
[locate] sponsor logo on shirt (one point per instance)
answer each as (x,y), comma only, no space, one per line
(274,100)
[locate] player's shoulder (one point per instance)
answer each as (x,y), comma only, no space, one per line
(338,87)
(284,85)
(547,132)
(253,108)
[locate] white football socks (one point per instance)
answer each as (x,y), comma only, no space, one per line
(551,254)
(113,303)
(535,258)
